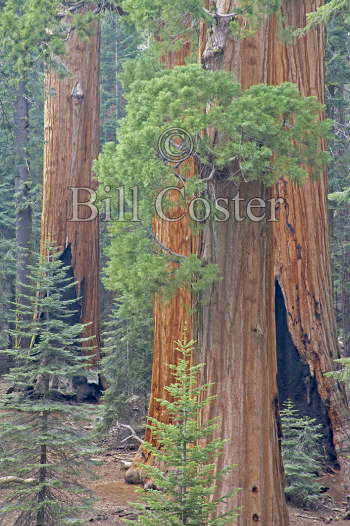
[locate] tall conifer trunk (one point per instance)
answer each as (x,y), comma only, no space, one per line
(71,145)
(236,328)
(22,187)
(302,251)
(170,317)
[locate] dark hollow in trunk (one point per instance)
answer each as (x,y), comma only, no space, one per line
(295,381)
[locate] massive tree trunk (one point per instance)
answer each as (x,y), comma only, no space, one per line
(71,145)
(237,327)
(302,256)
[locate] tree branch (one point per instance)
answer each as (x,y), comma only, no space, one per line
(15,480)
(211,176)
(166,249)
(132,433)
(219,15)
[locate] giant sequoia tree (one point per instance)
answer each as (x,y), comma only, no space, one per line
(36,32)
(300,256)
(236,322)
(71,145)
(236,327)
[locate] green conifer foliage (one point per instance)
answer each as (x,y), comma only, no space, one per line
(301,457)
(325,13)
(266,131)
(126,362)
(166,17)
(42,435)
(7,206)
(185,486)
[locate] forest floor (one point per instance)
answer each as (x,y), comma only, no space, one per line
(115,498)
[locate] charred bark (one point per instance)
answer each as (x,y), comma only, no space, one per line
(298,383)
(301,235)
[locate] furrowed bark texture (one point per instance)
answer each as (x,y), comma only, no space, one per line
(170,317)
(237,327)
(71,145)
(301,235)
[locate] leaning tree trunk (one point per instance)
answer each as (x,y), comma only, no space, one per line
(304,299)
(71,145)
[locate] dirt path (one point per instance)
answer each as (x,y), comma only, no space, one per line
(114,497)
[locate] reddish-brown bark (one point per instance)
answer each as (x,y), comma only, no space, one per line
(172,316)
(301,234)
(237,327)
(71,145)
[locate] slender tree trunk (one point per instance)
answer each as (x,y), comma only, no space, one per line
(43,493)
(302,249)
(346,282)
(71,145)
(22,188)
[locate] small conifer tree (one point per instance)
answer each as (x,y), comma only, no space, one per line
(301,457)
(185,489)
(44,444)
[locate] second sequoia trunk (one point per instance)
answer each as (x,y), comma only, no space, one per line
(302,257)
(71,145)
